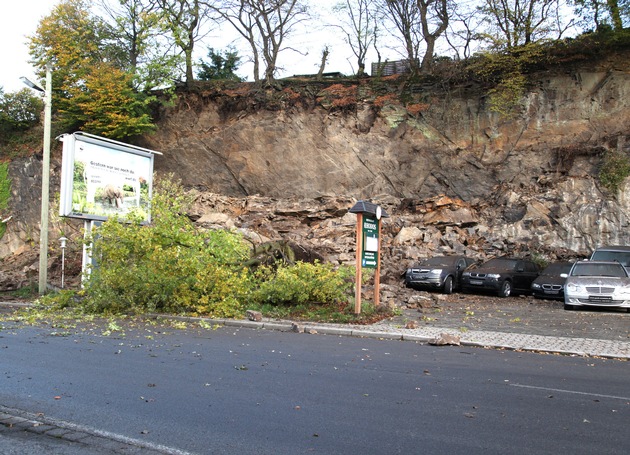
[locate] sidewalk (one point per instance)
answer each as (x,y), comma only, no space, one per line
(545,331)
(499,340)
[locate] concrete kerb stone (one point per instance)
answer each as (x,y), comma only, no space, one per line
(376,334)
(80,434)
(339,331)
(281,326)
(583,347)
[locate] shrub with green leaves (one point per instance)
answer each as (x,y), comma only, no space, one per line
(173,267)
(303,283)
(167,266)
(5,194)
(19,110)
(614,170)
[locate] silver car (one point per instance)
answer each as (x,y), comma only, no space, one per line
(597,283)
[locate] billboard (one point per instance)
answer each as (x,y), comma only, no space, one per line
(101,178)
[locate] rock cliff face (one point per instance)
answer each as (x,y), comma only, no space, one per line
(453,176)
(530,177)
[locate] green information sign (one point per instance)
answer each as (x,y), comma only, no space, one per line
(369,255)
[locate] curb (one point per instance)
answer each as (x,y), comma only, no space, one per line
(582,347)
(90,438)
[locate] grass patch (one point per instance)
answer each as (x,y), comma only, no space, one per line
(28,292)
(327,313)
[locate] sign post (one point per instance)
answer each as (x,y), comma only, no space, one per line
(368,250)
(103,178)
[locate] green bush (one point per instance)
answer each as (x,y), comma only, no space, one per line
(303,283)
(614,170)
(5,194)
(171,266)
(19,110)
(166,266)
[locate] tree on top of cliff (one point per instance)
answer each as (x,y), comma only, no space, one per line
(360,25)
(183,19)
(416,23)
(403,16)
(222,66)
(137,30)
(602,14)
(513,23)
(18,111)
(264,25)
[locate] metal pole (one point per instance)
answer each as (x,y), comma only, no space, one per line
(377,275)
(63,241)
(43,234)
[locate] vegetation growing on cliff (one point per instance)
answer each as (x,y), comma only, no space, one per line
(614,170)
(5,194)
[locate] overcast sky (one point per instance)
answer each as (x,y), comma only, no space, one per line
(19,19)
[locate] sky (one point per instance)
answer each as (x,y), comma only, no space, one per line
(19,19)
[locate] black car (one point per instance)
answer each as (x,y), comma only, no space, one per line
(443,273)
(504,276)
(550,282)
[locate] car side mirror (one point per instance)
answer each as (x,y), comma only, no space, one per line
(564,275)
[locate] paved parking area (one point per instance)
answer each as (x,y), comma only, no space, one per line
(519,315)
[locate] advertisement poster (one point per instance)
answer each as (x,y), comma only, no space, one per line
(102,178)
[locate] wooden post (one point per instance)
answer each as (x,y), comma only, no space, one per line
(357,289)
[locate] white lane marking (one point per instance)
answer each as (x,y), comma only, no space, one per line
(571,391)
(93,431)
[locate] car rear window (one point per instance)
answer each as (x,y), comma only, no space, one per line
(438,262)
(557,268)
(507,264)
(623,257)
(590,269)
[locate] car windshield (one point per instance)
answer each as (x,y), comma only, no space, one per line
(557,268)
(505,264)
(438,262)
(592,269)
(622,257)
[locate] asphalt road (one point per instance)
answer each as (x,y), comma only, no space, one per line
(229,391)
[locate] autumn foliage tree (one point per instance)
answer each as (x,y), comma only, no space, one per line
(91,89)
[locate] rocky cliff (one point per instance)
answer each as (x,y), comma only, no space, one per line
(533,176)
(454,176)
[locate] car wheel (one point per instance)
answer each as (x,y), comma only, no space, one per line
(448,285)
(506,289)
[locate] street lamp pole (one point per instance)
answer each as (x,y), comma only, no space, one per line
(43,234)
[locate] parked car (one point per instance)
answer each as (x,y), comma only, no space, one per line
(505,276)
(550,282)
(617,253)
(440,273)
(597,283)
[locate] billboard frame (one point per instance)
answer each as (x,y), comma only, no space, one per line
(112,171)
